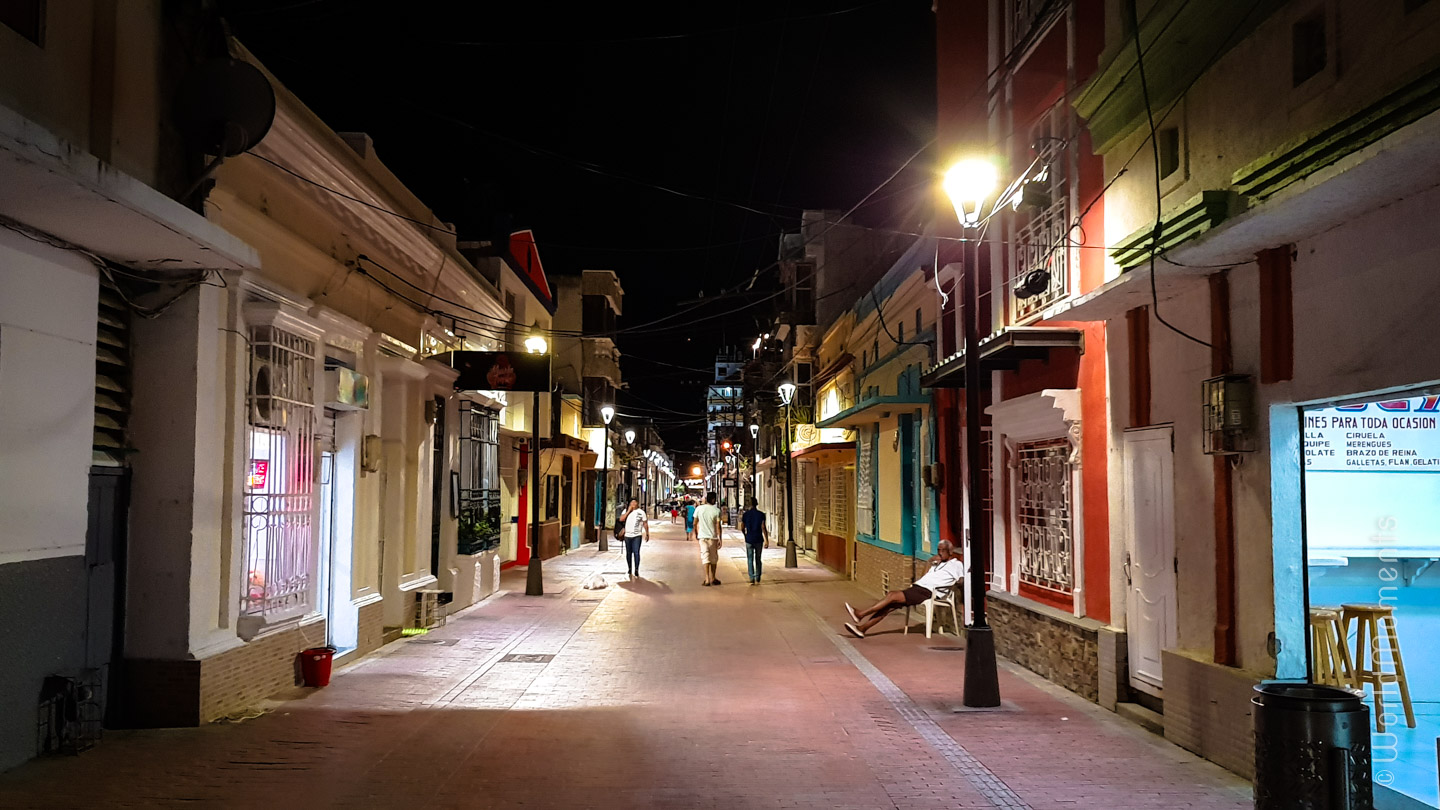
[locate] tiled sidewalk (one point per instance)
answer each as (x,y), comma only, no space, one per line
(650,693)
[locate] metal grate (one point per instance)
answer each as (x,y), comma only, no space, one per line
(527,658)
(479,528)
(280,481)
(1042,243)
(1043,514)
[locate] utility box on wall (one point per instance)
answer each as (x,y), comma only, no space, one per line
(1228,422)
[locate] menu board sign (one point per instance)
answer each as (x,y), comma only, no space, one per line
(1371,483)
(1398,436)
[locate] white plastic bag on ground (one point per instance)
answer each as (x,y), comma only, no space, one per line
(594,582)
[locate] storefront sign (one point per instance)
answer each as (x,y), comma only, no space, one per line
(259,473)
(1399,436)
(499,371)
(807,435)
(1372,480)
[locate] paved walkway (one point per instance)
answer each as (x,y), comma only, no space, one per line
(649,693)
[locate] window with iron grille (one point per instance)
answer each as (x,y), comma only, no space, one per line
(1040,255)
(479,478)
(1043,514)
(823,502)
(1030,20)
(842,484)
(280,480)
(865,489)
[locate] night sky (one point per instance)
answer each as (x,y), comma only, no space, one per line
(629,137)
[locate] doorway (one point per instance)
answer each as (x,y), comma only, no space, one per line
(1149,554)
(567,503)
(337,509)
(1371,495)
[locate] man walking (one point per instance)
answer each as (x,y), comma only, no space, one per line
(757,538)
(707,528)
(946,569)
(635,524)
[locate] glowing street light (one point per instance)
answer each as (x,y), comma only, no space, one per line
(607,412)
(787,393)
(629,436)
(968,184)
(535,343)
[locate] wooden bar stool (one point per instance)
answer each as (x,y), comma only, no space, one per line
(1330,658)
(1369,667)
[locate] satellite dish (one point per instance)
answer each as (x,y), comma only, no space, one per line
(224,107)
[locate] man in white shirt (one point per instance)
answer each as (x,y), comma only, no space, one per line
(946,569)
(707,528)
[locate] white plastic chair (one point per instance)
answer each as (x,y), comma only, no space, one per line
(930,605)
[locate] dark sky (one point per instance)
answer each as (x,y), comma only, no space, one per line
(570,118)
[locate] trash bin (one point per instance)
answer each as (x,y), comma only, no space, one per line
(1312,748)
(315,665)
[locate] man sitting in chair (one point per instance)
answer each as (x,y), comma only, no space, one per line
(946,569)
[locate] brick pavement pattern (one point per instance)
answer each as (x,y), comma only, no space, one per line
(653,692)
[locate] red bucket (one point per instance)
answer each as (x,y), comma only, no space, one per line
(315,665)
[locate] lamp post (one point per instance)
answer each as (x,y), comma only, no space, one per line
(630,442)
(606,413)
(534,580)
(754,460)
(787,393)
(968,184)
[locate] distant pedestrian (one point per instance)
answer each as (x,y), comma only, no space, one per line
(636,526)
(757,538)
(689,519)
(707,528)
(674,511)
(946,569)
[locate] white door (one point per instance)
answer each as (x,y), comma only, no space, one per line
(1149,553)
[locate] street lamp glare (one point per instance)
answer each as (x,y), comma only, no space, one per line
(787,391)
(535,343)
(754,431)
(629,437)
(607,413)
(967,184)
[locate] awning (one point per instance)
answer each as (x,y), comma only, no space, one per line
(824,451)
(867,410)
(1005,350)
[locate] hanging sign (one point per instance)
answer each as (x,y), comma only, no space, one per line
(499,371)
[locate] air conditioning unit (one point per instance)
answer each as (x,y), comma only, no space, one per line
(266,408)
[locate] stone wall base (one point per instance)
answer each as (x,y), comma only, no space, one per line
(1208,711)
(372,629)
(1053,645)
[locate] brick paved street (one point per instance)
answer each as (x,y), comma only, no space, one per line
(660,693)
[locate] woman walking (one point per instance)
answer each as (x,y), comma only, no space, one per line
(635,525)
(689,519)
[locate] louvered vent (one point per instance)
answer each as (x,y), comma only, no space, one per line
(112,379)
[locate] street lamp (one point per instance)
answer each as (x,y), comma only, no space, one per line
(968,184)
(534,579)
(606,413)
(754,461)
(787,393)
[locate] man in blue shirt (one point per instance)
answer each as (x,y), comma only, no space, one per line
(757,538)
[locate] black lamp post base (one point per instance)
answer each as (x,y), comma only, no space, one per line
(982,679)
(534,582)
(790,559)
